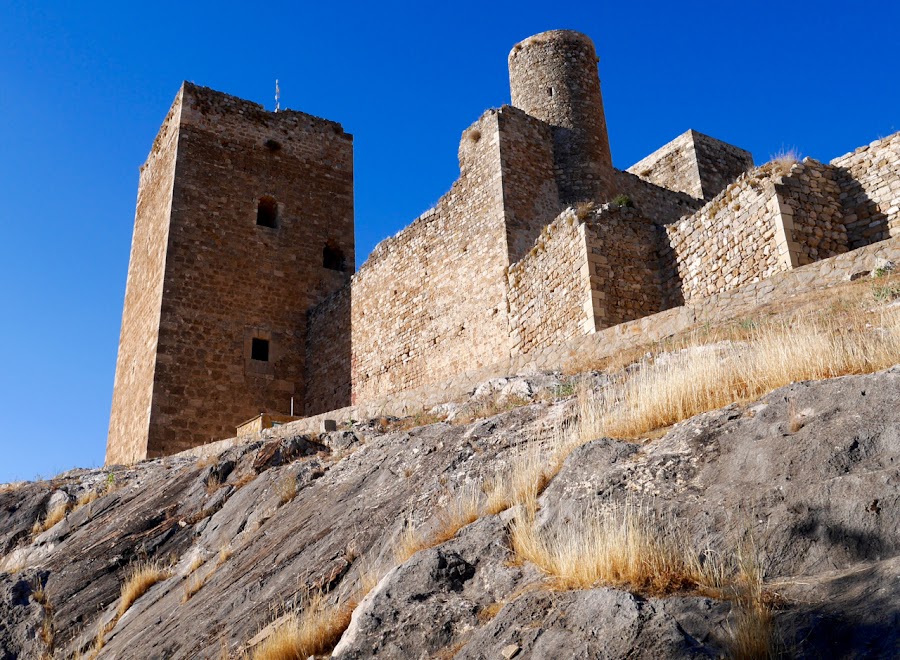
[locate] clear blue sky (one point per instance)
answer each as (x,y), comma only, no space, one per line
(84,87)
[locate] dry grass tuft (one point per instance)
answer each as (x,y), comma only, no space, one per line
(464,508)
(698,380)
(488,407)
(196,563)
(55,515)
(782,161)
(313,631)
(752,634)
(225,553)
(140,577)
(408,543)
(529,473)
(286,488)
(620,545)
(488,612)
(193,585)
(86,498)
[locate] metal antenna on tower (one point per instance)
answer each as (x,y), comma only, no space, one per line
(277,96)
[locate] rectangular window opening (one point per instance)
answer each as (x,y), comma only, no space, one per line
(259,350)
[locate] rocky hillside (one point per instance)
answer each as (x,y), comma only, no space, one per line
(790,506)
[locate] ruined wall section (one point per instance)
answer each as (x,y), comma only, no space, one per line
(673,166)
(431,301)
(135,366)
(530,194)
(623,259)
(718,163)
(810,205)
(870,191)
(694,164)
(735,239)
(549,288)
(664,206)
(230,280)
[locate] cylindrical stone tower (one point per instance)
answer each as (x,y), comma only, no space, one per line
(553,77)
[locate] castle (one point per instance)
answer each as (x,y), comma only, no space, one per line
(241,295)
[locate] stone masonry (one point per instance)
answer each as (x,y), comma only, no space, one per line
(241,298)
(244,221)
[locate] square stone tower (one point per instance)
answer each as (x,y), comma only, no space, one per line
(244,221)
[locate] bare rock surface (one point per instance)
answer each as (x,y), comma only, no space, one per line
(811,472)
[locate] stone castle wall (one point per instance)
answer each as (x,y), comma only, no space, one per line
(228,280)
(869,179)
(623,259)
(664,206)
(731,241)
(528,178)
(694,164)
(329,354)
(553,77)
(498,272)
(432,300)
(549,288)
(593,347)
(136,363)
(810,206)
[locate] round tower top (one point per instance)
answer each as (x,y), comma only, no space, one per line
(569,37)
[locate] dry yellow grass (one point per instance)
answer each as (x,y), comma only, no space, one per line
(86,498)
(313,631)
(488,407)
(698,380)
(782,161)
(140,577)
(752,631)
(55,515)
(464,508)
(528,474)
(193,585)
(225,553)
(618,545)
(286,488)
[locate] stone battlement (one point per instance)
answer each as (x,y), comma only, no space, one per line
(241,295)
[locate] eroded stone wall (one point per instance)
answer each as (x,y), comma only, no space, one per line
(549,288)
(623,257)
(662,205)
(811,211)
(553,77)
(732,241)
(329,354)
(695,164)
(530,194)
(431,301)
(869,179)
(129,421)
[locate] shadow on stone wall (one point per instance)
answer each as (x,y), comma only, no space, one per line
(329,354)
(670,279)
(865,222)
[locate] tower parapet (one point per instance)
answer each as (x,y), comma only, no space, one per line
(553,77)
